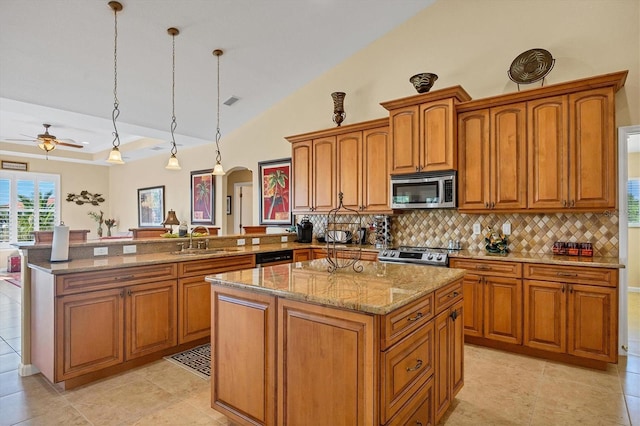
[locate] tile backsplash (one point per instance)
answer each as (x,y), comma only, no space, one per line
(530,233)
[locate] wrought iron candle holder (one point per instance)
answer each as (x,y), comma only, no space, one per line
(338,107)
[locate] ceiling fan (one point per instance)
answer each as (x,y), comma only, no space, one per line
(48,142)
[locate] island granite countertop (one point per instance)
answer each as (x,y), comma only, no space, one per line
(379,289)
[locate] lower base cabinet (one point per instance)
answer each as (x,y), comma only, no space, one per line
(286,362)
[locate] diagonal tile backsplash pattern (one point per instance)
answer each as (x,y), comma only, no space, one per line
(530,233)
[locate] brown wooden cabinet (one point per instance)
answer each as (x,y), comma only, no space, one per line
(194,293)
(449,357)
(560,156)
(492,158)
(318,253)
(423,131)
(571,310)
(301,255)
(351,159)
(314,175)
(356,368)
(363,169)
(492,299)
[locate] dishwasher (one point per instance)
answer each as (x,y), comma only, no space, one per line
(271,258)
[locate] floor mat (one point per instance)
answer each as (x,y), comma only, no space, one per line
(11,278)
(196,360)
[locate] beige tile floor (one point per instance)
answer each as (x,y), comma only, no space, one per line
(500,389)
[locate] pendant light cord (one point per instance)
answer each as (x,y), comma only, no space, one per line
(174,148)
(218,136)
(116,112)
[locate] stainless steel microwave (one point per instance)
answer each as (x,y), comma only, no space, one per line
(431,190)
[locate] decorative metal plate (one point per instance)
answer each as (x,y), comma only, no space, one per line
(531,66)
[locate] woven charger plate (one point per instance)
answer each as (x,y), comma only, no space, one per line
(531,66)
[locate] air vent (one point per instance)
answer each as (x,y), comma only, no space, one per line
(157,148)
(232,100)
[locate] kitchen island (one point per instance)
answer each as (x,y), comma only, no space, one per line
(294,344)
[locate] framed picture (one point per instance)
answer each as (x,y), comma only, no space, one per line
(228,204)
(203,185)
(275,185)
(14,165)
(151,206)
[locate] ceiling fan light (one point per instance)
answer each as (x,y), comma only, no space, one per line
(218,170)
(173,163)
(115,157)
(47,146)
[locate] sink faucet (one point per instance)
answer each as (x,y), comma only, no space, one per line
(206,230)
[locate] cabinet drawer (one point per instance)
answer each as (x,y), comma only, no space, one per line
(574,274)
(102,280)
(216,265)
(406,366)
(403,321)
(484,267)
(418,411)
(447,296)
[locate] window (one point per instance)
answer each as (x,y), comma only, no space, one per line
(633,203)
(28,202)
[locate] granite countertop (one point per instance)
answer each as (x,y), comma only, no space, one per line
(550,259)
(379,289)
(98,263)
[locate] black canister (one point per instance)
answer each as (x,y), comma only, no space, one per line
(305,230)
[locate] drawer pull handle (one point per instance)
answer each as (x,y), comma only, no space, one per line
(483,267)
(416,318)
(454,294)
(418,423)
(417,367)
(567,274)
(125,277)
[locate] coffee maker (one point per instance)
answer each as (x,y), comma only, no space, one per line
(305,230)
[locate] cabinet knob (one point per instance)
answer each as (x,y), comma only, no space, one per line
(564,203)
(486,205)
(454,315)
(573,203)
(417,169)
(493,204)
(122,293)
(129,292)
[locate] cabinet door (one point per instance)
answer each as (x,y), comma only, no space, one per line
(376,150)
(339,382)
(592,149)
(151,318)
(301,255)
(503,309)
(473,304)
(508,157)
(405,127)
(301,155)
(89,329)
(438,142)
(194,309)
(545,315)
(349,168)
(324,174)
(593,322)
(473,160)
(443,367)
(457,347)
(243,355)
(548,153)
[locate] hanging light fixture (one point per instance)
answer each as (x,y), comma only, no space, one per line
(218,170)
(173,163)
(114,156)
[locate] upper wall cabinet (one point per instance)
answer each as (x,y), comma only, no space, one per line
(566,144)
(423,131)
(351,159)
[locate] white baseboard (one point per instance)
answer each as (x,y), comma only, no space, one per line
(27,370)
(633,289)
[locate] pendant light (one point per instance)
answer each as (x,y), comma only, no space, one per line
(173,163)
(114,156)
(218,170)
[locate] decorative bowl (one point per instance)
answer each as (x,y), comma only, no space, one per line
(423,81)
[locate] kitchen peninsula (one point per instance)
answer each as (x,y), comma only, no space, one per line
(295,344)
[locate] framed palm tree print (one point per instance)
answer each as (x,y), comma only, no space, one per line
(275,184)
(203,185)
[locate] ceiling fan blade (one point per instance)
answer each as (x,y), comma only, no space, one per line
(73,145)
(19,140)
